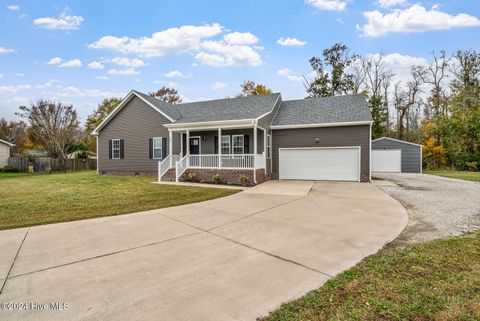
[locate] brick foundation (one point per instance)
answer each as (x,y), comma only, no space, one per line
(227,176)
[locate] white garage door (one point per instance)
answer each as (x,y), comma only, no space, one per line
(389,160)
(322,164)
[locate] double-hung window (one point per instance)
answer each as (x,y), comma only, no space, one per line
(269,146)
(238,144)
(115,148)
(225,144)
(157,147)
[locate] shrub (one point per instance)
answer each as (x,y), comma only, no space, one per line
(244,180)
(216,178)
(10,169)
(192,176)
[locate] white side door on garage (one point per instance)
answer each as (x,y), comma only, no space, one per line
(387,160)
(322,164)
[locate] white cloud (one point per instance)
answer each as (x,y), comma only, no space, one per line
(13,89)
(63,22)
(1,76)
(122,61)
(95,65)
(6,50)
(413,19)
(221,54)
(19,74)
(291,42)
(47,84)
(390,3)
(103,77)
(55,61)
(123,72)
(218,85)
(241,38)
(172,40)
(72,91)
(13,7)
(71,63)
(177,74)
(285,72)
(332,5)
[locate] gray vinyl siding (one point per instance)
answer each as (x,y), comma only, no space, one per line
(207,139)
(329,137)
(135,124)
(266,121)
(411,154)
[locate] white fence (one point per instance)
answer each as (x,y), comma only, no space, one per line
(226,161)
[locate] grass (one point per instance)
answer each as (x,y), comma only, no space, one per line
(439,280)
(465,175)
(28,199)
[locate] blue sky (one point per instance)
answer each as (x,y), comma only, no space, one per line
(80,52)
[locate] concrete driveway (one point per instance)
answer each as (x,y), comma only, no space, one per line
(234,258)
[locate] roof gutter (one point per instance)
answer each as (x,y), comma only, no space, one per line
(210,124)
(339,124)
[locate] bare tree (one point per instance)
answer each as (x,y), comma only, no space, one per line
(52,125)
(404,101)
(376,82)
(14,132)
(434,75)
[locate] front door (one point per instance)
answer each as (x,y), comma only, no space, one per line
(195,145)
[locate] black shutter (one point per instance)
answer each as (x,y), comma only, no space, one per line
(246,144)
(164,148)
(215,145)
(122,145)
(150,148)
(110,149)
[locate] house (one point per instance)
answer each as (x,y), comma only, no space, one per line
(4,152)
(259,137)
(396,156)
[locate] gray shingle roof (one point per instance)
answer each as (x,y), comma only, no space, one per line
(338,109)
(169,109)
(227,109)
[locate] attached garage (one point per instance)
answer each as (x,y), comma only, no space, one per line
(393,155)
(328,163)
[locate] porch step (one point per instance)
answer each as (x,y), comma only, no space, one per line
(169,176)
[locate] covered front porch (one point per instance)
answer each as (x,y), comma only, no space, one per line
(226,150)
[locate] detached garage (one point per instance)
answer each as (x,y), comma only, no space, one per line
(396,156)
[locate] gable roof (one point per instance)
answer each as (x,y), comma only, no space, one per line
(396,140)
(251,107)
(6,143)
(169,109)
(323,110)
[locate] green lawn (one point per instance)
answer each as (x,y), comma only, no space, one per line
(28,199)
(438,280)
(466,175)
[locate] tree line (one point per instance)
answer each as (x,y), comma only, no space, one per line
(437,106)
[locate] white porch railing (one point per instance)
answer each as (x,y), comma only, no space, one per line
(166,164)
(180,167)
(227,161)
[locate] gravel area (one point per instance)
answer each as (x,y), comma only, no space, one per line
(438,207)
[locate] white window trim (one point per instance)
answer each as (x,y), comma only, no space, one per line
(229,145)
(269,146)
(153,147)
(242,146)
(113,148)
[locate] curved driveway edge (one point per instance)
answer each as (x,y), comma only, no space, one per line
(234,258)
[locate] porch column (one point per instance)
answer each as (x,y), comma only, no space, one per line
(170,147)
(265,149)
(188,147)
(219,147)
(255,153)
(181,145)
